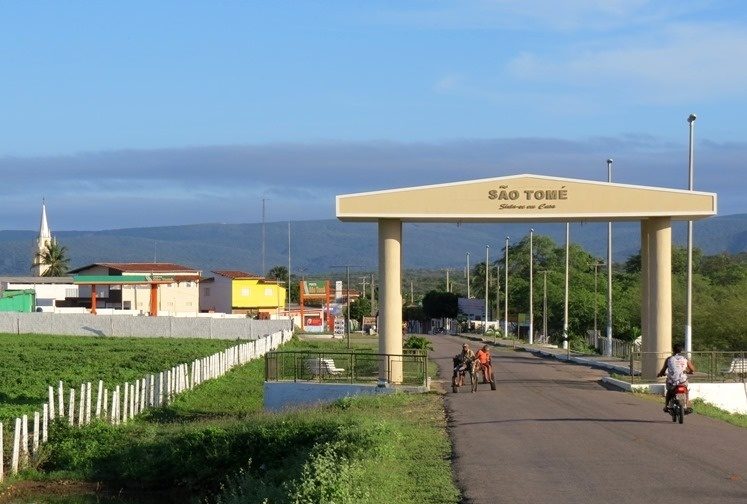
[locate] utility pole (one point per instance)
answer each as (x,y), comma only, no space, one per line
(544,306)
(347,299)
(487,278)
(264,271)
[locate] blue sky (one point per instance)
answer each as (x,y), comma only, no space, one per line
(166,113)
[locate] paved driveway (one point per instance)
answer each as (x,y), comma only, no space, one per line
(552,433)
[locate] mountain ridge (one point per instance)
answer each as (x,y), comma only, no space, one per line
(324,245)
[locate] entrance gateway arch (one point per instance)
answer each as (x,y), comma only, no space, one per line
(530,198)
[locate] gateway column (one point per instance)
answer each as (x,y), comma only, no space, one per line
(658,291)
(390,298)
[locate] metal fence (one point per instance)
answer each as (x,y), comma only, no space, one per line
(345,366)
(620,348)
(710,367)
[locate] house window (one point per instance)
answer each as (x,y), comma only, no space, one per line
(268,292)
(188,284)
(245,291)
(206,290)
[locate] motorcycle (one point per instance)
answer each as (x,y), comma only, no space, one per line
(677,405)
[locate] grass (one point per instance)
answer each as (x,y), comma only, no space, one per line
(32,362)
(703,408)
(379,449)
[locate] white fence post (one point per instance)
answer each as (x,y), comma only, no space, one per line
(24,441)
(126,402)
(71,406)
(88,402)
(16,447)
(35,445)
(99,398)
(45,422)
(51,400)
(60,401)
(81,405)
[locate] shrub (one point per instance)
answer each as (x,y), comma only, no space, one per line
(418,342)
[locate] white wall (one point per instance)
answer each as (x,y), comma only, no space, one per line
(219,297)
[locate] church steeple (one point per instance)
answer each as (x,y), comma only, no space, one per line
(45,236)
(44,233)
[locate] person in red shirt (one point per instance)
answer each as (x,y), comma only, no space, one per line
(483,355)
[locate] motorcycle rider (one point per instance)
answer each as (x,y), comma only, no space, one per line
(676,368)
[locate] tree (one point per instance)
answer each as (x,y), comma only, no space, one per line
(438,304)
(360,308)
(54,258)
(278,273)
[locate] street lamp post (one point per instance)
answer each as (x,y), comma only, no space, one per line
(531,287)
(565,303)
(468,275)
(505,295)
(608,350)
(544,306)
(688,323)
(487,278)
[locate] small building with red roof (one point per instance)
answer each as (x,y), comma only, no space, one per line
(176,285)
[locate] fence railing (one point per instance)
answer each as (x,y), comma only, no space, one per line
(122,402)
(345,366)
(620,348)
(710,366)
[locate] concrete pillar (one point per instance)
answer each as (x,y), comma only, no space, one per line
(659,306)
(390,298)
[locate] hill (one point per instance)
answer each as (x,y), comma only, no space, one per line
(324,245)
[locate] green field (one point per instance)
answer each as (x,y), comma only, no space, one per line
(32,362)
(215,444)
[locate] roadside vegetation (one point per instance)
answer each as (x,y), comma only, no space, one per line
(33,362)
(215,444)
(703,408)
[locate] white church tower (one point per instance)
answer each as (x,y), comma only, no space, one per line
(45,236)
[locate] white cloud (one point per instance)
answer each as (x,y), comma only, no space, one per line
(681,63)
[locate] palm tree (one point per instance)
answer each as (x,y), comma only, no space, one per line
(54,257)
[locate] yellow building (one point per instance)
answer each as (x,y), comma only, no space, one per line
(229,291)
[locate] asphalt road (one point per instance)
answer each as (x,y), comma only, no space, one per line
(551,432)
